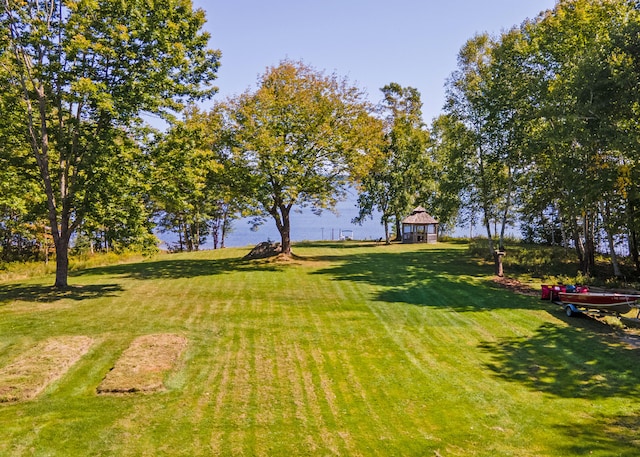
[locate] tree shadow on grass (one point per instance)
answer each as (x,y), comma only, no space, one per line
(158,269)
(604,436)
(438,277)
(47,294)
(394,268)
(583,360)
(180,268)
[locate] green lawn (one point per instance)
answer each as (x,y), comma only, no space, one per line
(351,350)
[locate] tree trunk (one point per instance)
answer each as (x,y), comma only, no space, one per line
(45,242)
(591,247)
(505,216)
(586,250)
(612,251)
(285,233)
(281,214)
(398,229)
(223,229)
(387,239)
(501,238)
(196,244)
(180,232)
(563,234)
(580,251)
(633,249)
(614,257)
(62,261)
(188,236)
(497,257)
(215,232)
(487,224)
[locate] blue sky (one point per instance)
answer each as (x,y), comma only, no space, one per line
(371,42)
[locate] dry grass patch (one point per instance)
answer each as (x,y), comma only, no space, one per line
(143,365)
(31,373)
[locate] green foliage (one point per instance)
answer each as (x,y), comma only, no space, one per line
(192,182)
(489,170)
(119,215)
(400,174)
(555,265)
(547,116)
(450,141)
(22,213)
(581,170)
(84,72)
(297,139)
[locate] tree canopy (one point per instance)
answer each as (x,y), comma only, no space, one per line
(400,172)
(551,108)
(192,181)
(85,70)
(298,139)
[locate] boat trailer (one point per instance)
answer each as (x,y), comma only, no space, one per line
(577,300)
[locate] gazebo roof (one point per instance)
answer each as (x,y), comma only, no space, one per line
(419,216)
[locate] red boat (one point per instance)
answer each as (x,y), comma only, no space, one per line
(600,301)
(576,298)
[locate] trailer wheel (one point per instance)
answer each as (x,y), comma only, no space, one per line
(569,311)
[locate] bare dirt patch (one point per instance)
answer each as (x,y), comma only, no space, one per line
(144,364)
(632,340)
(515,286)
(31,373)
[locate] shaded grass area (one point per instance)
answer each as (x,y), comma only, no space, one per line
(351,349)
(556,264)
(603,371)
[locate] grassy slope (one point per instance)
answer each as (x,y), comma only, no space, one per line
(355,350)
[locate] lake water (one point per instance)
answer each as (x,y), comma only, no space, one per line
(305,226)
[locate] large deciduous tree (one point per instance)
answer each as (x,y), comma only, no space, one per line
(86,70)
(468,102)
(299,137)
(551,108)
(400,173)
(191,180)
(587,147)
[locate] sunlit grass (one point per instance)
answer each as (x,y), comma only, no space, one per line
(20,271)
(349,349)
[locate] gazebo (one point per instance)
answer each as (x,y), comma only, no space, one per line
(420,227)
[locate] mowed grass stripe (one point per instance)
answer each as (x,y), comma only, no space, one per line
(300,336)
(343,321)
(222,389)
(440,327)
(265,402)
(348,321)
(241,439)
(444,371)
